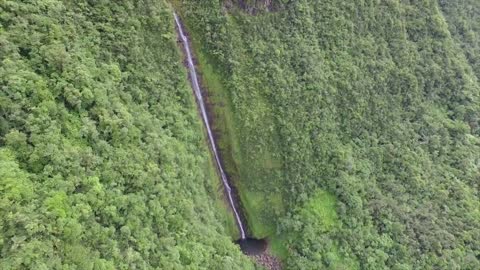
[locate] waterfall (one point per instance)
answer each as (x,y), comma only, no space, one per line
(201,106)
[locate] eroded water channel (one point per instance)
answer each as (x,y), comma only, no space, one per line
(249,246)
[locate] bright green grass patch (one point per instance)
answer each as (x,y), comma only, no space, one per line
(321,211)
(256,203)
(322,208)
(278,246)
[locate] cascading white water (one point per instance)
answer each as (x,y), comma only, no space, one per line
(203,112)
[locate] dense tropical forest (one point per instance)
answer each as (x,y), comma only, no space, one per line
(351,130)
(353,126)
(103,163)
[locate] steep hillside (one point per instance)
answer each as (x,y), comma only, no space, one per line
(351,128)
(463,19)
(103,162)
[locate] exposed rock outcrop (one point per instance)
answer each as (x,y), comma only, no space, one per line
(268,261)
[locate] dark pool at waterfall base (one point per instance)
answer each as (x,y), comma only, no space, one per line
(251,246)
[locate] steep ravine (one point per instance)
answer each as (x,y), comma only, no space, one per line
(203,113)
(250,246)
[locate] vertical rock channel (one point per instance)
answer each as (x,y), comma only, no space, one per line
(203,112)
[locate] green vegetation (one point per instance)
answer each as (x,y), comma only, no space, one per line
(356,127)
(321,209)
(463,19)
(226,130)
(103,162)
(350,128)
(223,132)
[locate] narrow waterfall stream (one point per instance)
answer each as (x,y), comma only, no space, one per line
(203,111)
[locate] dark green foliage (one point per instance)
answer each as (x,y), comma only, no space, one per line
(463,19)
(355,134)
(103,163)
(375,102)
(255,6)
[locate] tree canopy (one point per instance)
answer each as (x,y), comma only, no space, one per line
(350,129)
(369,109)
(103,161)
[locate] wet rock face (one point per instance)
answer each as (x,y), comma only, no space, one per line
(257,249)
(251,246)
(254,6)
